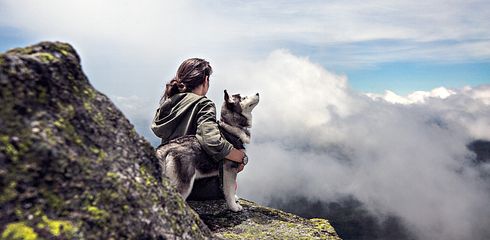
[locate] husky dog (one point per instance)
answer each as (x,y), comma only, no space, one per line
(183,160)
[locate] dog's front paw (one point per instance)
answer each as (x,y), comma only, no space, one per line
(236,207)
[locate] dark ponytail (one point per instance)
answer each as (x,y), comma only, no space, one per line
(191,73)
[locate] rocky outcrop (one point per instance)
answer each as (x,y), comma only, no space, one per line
(73,167)
(258,222)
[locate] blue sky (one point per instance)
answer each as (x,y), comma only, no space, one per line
(407,77)
(403,75)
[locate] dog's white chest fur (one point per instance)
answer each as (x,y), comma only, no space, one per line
(236,131)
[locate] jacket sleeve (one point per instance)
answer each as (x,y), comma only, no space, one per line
(208,133)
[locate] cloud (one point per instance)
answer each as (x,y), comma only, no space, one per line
(314,137)
(434,30)
(140,111)
(460,105)
(415,97)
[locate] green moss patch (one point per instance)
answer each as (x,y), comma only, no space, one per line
(19,230)
(96,213)
(45,57)
(57,227)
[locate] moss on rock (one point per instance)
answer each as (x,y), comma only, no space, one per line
(19,231)
(57,227)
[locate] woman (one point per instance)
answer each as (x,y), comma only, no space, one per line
(185,110)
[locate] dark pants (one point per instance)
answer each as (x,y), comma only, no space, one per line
(207,189)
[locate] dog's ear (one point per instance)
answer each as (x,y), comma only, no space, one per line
(227,97)
(229,103)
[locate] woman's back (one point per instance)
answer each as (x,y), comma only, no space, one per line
(177,116)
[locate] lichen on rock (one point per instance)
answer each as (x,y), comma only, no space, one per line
(18,230)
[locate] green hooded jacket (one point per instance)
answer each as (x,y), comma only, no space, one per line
(191,114)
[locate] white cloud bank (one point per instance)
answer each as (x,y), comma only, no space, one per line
(314,137)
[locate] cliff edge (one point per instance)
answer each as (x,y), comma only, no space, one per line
(259,222)
(73,167)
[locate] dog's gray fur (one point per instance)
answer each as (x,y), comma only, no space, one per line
(183,160)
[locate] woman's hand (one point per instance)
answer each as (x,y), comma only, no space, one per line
(235,155)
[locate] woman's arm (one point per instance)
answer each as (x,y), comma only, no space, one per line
(209,135)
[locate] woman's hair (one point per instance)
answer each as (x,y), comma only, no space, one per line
(191,73)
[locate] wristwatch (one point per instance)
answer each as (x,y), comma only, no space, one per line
(245,159)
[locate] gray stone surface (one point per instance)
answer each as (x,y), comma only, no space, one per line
(259,222)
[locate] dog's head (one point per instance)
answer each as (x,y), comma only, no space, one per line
(237,110)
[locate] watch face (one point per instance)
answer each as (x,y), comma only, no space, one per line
(245,160)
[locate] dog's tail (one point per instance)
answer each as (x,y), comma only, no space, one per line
(162,153)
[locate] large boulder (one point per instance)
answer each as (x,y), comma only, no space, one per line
(71,165)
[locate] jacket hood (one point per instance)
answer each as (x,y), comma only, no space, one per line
(172,112)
